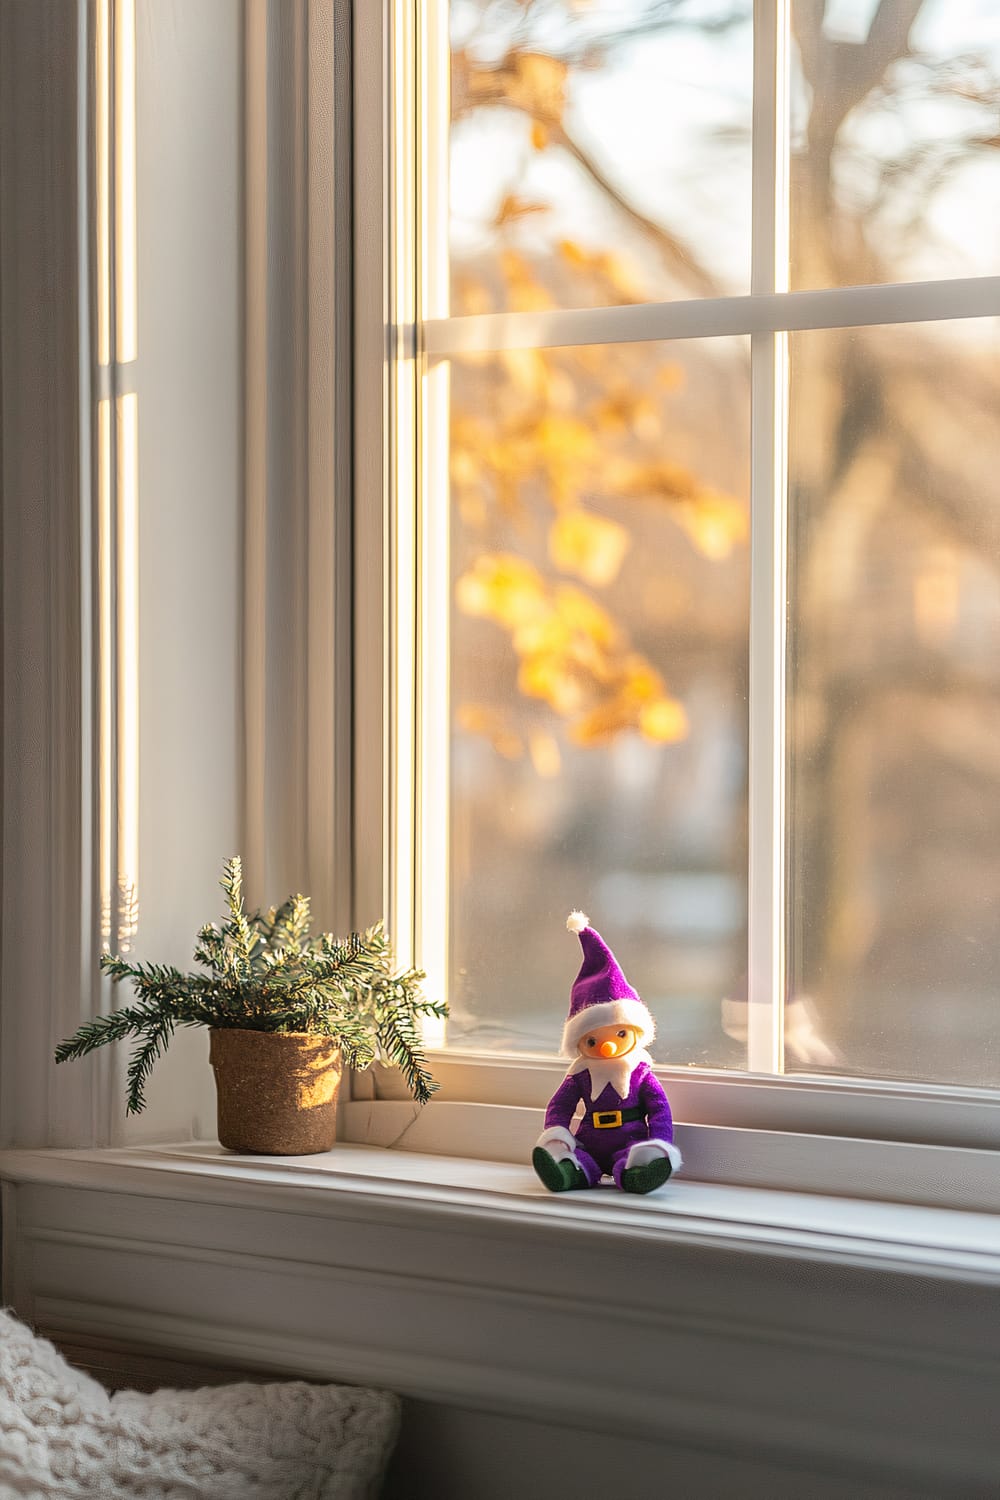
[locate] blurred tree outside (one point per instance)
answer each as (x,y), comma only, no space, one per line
(600,530)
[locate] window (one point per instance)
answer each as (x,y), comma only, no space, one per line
(691,525)
(775,573)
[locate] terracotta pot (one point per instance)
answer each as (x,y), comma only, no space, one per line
(277,1091)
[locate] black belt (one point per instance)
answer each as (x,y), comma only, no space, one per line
(608,1119)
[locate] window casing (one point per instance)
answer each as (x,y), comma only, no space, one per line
(402,416)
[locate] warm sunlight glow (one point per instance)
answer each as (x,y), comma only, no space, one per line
(434,698)
(102,175)
(125,189)
(128,667)
(937,590)
(116,296)
(105,627)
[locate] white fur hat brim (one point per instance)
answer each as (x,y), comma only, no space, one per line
(610,1013)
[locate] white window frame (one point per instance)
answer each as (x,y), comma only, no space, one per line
(404,337)
(396,854)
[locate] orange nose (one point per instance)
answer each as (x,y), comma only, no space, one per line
(608,1049)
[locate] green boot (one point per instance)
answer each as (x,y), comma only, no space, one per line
(647,1178)
(558,1176)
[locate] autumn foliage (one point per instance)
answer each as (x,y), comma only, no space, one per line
(555,439)
(562,443)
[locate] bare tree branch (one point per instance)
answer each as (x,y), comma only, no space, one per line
(677,255)
(843,74)
(500,86)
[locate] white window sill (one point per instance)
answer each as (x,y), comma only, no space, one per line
(853,1337)
(750,1220)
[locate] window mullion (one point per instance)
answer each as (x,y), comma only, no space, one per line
(373,211)
(433,563)
(403,476)
(768,353)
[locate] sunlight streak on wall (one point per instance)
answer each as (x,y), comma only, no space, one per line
(128,667)
(117,476)
(102,176)
(105,628)
(126,338)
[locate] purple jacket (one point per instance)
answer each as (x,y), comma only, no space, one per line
(645,1093)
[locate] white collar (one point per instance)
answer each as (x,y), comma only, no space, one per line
(614,1070)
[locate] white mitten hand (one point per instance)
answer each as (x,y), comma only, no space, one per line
(559,1142)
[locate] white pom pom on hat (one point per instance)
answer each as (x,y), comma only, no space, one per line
(577,921)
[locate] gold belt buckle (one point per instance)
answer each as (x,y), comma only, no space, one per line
(607,1119)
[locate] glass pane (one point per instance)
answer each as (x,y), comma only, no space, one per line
(894,699)
(895,170)
(599,673)
(600,153)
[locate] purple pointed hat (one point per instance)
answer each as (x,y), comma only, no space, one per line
(601,995)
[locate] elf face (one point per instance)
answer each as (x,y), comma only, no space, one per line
(607,1041)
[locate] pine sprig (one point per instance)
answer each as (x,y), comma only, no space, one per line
(292,923)
(157,1037)
(400,1045)
(263,972)
(242,939)
(129,1021)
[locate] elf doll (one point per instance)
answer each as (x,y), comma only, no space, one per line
(626,1132)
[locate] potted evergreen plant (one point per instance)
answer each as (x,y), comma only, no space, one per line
(285,1013)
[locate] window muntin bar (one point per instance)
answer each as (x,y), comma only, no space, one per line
(846,307)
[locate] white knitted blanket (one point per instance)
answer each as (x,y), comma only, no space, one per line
(62,1435)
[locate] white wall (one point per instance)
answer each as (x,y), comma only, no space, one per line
(190,456)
